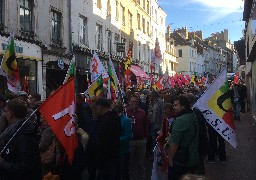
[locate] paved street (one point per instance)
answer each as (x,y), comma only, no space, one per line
(241,162)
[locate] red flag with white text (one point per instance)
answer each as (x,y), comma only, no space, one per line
(58,113)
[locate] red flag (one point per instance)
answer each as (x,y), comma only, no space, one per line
(236,78)
(58,113)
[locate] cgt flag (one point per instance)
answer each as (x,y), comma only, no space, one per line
(216,106)
(58,113)
(96,88)
(9,67)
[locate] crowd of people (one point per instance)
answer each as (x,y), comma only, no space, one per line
(114,137)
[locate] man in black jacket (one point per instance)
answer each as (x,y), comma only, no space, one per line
(20,159)
(107,140)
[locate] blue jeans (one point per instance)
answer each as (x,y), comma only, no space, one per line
(236,110)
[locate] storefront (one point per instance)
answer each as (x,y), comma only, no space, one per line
(29,59)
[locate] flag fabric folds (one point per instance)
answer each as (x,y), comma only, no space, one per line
(159,84)
(216,106)
(9,67)
(112,77)
(127,67)
(58,113)
(71,70)
(96,88)
(97,68)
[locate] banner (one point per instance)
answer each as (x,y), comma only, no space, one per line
(97,68)
(216,106)
(96,88)
(71,70)
(127,66)
(58,113)
(9,67)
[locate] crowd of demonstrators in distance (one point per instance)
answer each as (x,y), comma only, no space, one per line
(114,136)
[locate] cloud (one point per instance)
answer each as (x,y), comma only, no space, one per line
(216,9)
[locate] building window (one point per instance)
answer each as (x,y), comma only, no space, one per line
(99,5)
(123,40)
(144,5)
(130,20)
(109,36)
(138,18)
(162,20)
(99,37)
(26,8)
(139,50)
(156,15)
(117,13)
(148,6)
(108,8)
(117,39)
(152,32)
(83,31)
(2,7)
(143,25)
(180,52)
(148,28)
(56,21)
(123,16)
(138,1)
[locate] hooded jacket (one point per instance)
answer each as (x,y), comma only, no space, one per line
(21,157)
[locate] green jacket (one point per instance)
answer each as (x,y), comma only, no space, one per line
(185,133)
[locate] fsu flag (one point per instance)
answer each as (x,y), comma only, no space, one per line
(9,67)
(58,113)
(216,106)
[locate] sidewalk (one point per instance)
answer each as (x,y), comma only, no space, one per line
(241,162)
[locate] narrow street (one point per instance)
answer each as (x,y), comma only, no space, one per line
(241,162)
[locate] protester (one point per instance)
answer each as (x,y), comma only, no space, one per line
(203,145)
(155,114)
(125,138)
(108,139)
(2,103)
(183,141)
(20,159)
(243,95)
(216,146)
(140,133)
(235,98)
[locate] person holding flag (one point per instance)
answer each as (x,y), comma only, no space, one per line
(216,107)
(20,158)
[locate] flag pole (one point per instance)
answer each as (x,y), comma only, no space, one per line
(17,131)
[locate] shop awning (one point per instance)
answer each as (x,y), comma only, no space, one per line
(139,72)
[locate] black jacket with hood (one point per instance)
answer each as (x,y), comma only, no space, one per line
(21,157)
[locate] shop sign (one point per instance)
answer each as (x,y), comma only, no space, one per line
(61,63)
(18,49)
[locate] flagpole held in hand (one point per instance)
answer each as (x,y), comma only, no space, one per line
(17,131)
